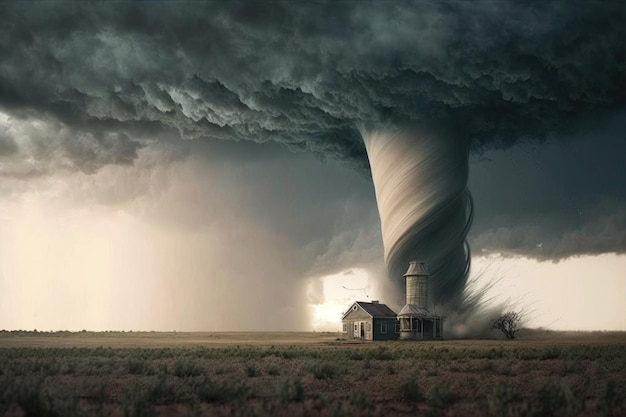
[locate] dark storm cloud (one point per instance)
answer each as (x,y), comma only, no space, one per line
(32,147)
(309,76)
(7,145)
(553,201)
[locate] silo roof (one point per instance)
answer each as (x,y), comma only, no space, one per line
(417,268)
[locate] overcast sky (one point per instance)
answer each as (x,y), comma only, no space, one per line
(202,166)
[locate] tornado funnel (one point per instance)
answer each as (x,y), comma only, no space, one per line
(420,179)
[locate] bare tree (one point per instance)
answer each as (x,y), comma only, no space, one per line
(507,323)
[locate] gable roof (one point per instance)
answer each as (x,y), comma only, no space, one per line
(411,310)
(415,311)
(375,310)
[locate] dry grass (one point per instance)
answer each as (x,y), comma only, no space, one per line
(310,374)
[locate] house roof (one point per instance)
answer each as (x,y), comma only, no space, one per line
(375,310)
(415,311)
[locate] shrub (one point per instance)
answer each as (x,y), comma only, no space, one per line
(162,370)
(253,371)
(137,366)
(322,371)
(30,397)
(441,396)
(273,371)
(138,407)
(507,323)
(507,369)
(96,392)
(47,366)
(499,401)
(381,354)
(186,367)
(359,399)
(355,355)
(223,370)
(494,353)
(210,391)
(550,353)
(161,391)
(610,404)
(34,400)
(410,390)
(552,397)
(571,367)
(68,367)
(290,390)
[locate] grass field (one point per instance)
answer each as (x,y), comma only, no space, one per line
(309,374)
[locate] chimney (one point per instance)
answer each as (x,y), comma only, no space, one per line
(375,301)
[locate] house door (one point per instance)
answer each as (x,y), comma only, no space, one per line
(362,330)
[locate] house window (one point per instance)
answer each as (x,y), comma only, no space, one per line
(345,328)
(397,327)
(369,327)
(383,327)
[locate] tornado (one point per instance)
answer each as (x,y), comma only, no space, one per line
(420,179)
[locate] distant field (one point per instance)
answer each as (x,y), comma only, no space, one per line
(534,338)
(161,339)
(310,374)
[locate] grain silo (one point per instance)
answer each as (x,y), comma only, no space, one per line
(416,321)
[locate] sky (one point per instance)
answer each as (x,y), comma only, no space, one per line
(203,167)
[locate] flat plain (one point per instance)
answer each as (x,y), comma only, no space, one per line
(542,373)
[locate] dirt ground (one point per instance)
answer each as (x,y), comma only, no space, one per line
(309,374)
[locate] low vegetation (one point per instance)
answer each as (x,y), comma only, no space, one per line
(492,378)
